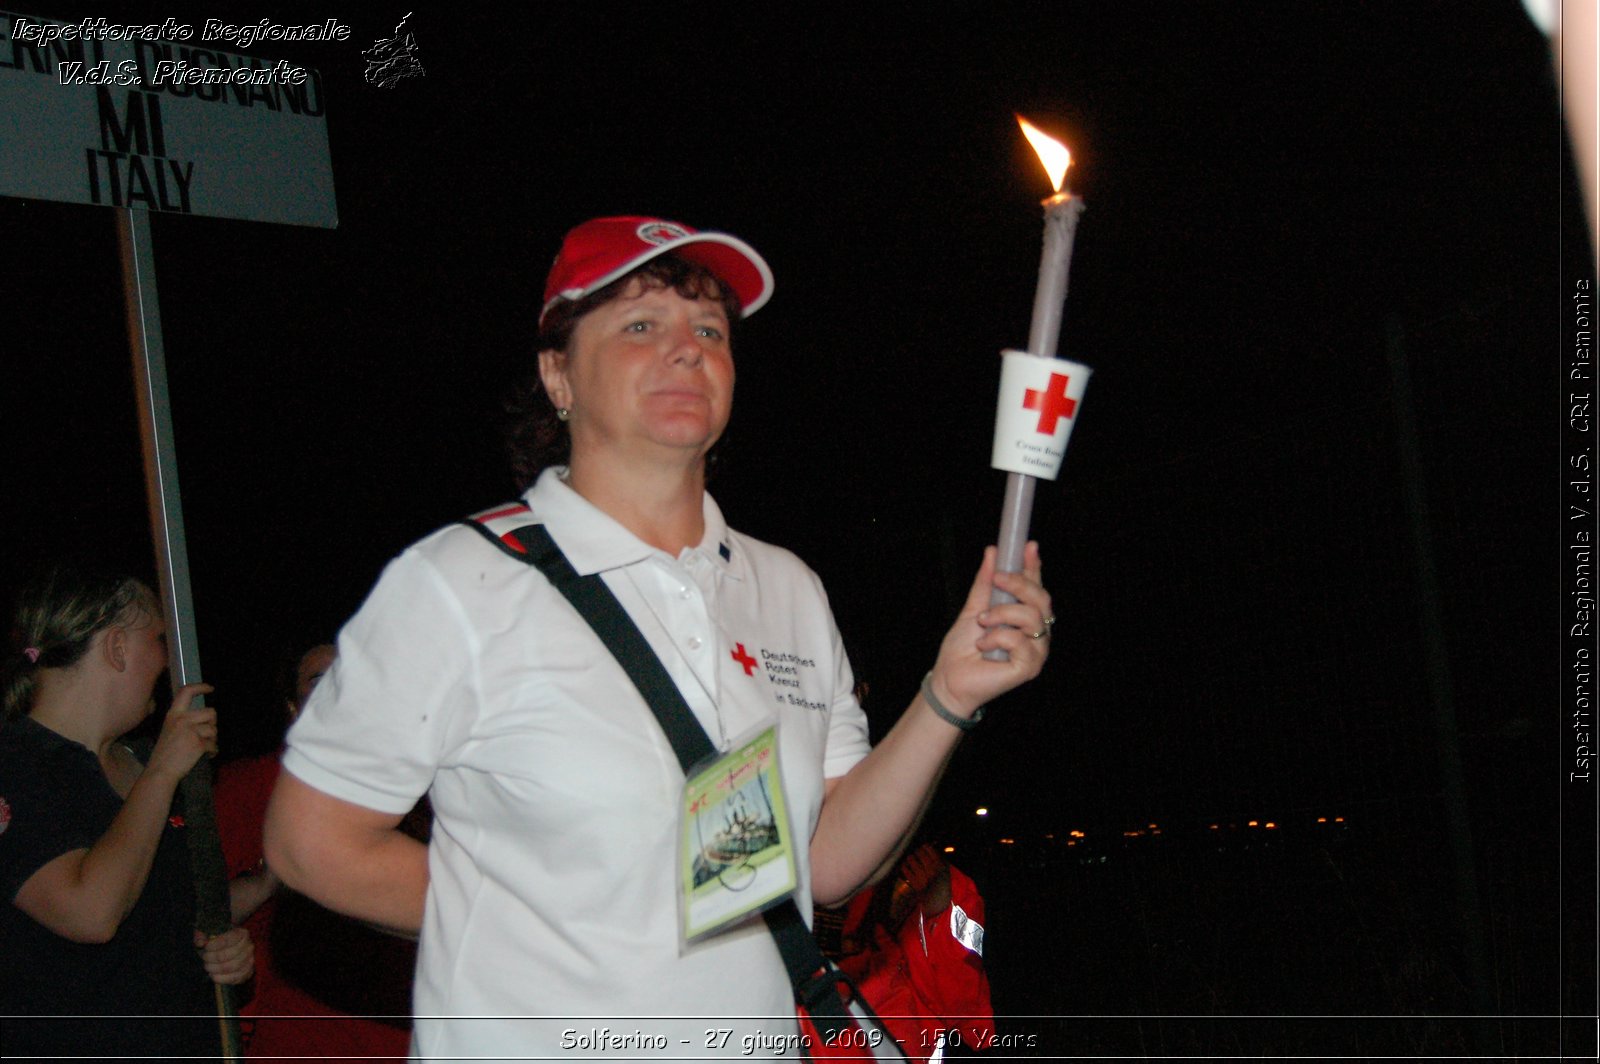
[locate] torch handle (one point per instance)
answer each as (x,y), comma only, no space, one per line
(1061,213)
(1015,511)
(1014,514)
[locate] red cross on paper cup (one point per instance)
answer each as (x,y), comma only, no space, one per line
(1051,401)
(1040,399)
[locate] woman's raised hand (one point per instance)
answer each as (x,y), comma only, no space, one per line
(187,734)
(963,678)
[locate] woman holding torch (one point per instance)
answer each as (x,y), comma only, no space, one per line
(549,899)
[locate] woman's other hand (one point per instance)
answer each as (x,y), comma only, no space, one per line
(230,958)
(187,734)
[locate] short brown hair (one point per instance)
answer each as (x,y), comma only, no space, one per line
(535,438)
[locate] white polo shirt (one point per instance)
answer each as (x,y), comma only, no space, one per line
(555,792)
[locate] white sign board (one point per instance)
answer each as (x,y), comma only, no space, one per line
(113,114)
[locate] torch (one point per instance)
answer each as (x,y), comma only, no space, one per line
(1039,394)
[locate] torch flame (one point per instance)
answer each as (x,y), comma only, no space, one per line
(1052,153)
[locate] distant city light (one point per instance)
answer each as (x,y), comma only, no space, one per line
(1322,820)
(1271,825)
(1255,823)
(1075,833)
(983,810)
(1007,842)
(949,849)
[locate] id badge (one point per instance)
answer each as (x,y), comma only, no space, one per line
(735,846)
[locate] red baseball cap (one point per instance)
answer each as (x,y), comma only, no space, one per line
(599,251)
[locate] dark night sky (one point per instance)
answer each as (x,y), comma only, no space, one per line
(1274,193)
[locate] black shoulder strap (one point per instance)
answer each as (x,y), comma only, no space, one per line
(812,977)
(599,607)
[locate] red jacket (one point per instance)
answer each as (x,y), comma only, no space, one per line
(926,982)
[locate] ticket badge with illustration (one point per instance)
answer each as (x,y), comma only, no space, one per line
(735,845)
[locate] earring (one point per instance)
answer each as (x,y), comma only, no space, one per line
(562,413)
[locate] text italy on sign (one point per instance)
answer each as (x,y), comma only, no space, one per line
(100,113)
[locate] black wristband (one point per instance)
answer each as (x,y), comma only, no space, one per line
(966,724)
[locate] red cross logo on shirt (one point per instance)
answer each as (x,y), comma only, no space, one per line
(738,654)
(1052,403)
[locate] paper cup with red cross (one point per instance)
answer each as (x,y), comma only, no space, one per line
(1040,399)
